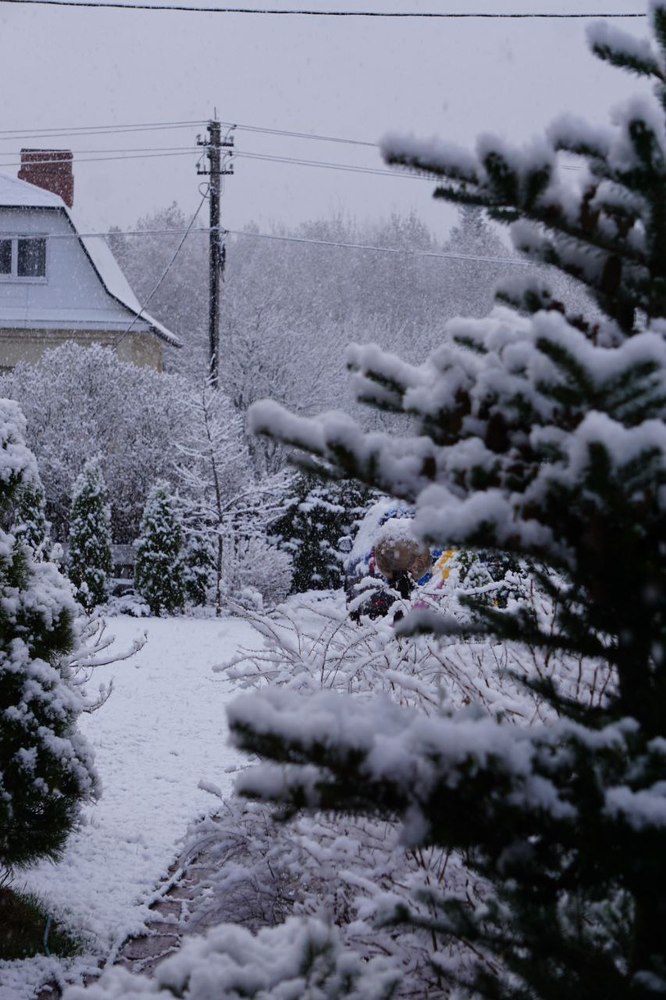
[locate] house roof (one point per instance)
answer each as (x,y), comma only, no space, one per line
(15,193)
(118,286)
(18,194)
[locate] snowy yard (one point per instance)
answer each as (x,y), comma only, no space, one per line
(161,733)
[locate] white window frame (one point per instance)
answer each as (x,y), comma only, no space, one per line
(13,275)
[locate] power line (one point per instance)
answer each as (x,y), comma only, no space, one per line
(329,165)
(157,152)
(272,158)
(304,12)
(394,250)
(83,131)
(28,133)
(299,135)
(86,130)
(107,159)
(165,272)
(125,150)
(409,251)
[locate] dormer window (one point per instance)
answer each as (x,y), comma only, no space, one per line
(22,257)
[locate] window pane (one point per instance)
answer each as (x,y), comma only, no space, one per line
(31,261)
(5,256)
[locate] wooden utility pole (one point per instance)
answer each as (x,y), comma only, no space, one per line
(217,168)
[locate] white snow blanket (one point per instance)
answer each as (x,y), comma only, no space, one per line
(159,740)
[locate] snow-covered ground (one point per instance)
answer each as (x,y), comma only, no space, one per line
(160,734)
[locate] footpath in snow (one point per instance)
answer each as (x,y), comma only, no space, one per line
(160,737)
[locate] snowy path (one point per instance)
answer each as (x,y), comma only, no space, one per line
(162,732)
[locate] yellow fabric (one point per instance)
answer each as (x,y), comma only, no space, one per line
(441,564)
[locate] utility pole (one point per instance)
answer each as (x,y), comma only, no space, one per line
(218,167)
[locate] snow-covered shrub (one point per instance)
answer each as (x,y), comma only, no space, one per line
(256,871)
(46,766)
(253,564)
(357,869)
(95,647)
(89,562)
(537,433)
(223,502)
(318,516)
(198,561)
(31,525)
(158,571)
(83,401)
(298,959)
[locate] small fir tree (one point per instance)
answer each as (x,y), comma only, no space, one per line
(90,560)
(318,517)
(158,573)
(538,433)
(46,767)
(198,567)
(31,525)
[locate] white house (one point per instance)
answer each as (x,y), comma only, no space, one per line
(57,284)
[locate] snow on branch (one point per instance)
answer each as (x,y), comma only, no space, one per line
(433,156)
(268,417)
(573,135)
(380,378)
(337,438)
(300,958)
(16,459)
(466,775)
(621,49)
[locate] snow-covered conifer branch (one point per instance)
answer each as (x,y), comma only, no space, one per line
(625,51)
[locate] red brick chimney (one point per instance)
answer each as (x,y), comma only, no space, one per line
(50,169)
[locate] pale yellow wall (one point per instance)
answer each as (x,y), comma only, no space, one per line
(143,349)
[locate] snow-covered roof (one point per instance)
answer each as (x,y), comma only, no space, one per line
(19,194)
(118,286)
(15,193)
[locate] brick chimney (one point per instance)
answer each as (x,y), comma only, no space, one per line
(50,169)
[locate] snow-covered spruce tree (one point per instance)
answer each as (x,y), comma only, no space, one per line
(31,525)
(540,434)
(158,573)
(45,765)
(198,564)
(89,563)
(318,516)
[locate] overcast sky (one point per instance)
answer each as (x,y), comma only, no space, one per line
(349,77)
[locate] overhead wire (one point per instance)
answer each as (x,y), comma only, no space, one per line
(157,153)
(84,130)
(299,135)
(192,148)
(309,12)
(108,159)
(96,129)
(243,233)
(326,164)
(160,281)
(444,254)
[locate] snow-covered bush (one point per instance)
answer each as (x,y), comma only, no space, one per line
(537,433)
(31,525)
(252,564)
(198,562)
(298,959)
(95,647)
(318,516)
(46,766)
(83,401)
(89,561)
(158,571)
(225,506)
